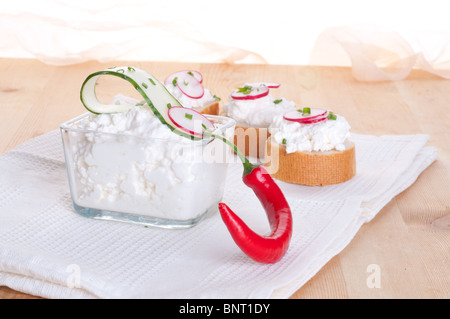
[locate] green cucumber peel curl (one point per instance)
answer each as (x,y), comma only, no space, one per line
(151,89)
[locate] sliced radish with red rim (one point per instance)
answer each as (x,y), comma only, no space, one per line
(250,92)
(195,74)
(314,120)
(190,86)
(188,81)
(190,120)
(314,116)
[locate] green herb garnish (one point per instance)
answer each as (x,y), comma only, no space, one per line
(131,69)
(245,90)
(151,81)
(174,81)
(190,73)
(169,105)
(331,116)
(283,141)
(185,83)
(277,101)
(188,116)
(144,85)
(305,110)
(216,97)
(204,126)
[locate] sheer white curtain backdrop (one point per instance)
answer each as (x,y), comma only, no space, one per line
(386,33)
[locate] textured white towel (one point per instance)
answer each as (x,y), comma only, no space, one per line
(46,249)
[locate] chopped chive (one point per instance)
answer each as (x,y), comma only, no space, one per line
(131,69)
(331,116)
(169,105)
(151,81)
(306,110)
(245,90)
(144,85)
(190,73)
(188,116)
(174,82)
(185,83)
(204,126)
(277,101)
(216,97)
(120,71)
(283,141)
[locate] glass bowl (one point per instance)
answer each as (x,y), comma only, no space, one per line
(150,181)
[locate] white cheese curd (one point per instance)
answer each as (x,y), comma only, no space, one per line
(132,163)
(186,101)
(256,113)
(322,136)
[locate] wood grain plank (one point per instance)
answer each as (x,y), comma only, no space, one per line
(8,293)
(328,283)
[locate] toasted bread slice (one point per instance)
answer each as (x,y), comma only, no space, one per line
(310,168)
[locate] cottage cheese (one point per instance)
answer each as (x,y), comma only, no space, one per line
(130,162)
(256,113)
(323,136)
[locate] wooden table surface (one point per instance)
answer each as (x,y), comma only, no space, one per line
(409,239)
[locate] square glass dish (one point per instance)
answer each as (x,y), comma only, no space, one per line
(151,181)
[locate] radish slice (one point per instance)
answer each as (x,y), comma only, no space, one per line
(197,75)
(298,116)
(190,120)
(273,85)
(250,92)
(315,120)
(270,85)
(190,86)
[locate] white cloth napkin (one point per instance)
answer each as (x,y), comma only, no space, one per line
(46,249)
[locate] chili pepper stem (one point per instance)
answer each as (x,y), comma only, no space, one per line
(248,166)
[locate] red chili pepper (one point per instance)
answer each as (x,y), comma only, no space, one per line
(264,249)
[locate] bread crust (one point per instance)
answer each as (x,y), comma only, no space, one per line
(212,109)
(310,168)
